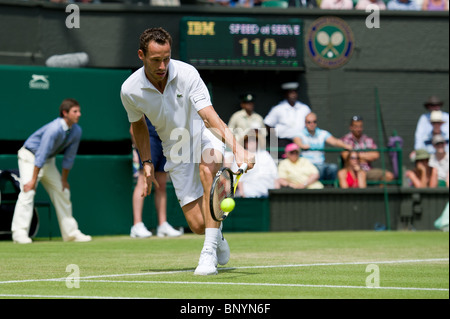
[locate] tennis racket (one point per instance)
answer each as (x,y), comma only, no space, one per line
(224,186)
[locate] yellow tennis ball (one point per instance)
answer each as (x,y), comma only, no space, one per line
(227,205)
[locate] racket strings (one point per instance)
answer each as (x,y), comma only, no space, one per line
(223,188)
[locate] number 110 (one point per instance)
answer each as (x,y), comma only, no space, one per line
(269,46)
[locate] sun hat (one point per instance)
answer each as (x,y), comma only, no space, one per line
(438,138)
(436,117)
(421,155)
(433,100)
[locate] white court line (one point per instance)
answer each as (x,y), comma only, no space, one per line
(67,297)
(233,268)
(262,284)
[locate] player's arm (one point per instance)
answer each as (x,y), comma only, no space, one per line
(221,130)
(142,140)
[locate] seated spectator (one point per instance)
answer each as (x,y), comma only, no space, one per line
(422,176)
(403,5)
(264,175)
(435,5)
(424,126)
(360,141)
(424,141)
(303,3)
(337,4)
(351,175)
(297,172)
(439,159)
(313,139)
(362,4)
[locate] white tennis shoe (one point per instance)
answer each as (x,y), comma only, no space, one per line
(166,230)
(207,264)
(223,252)
(140,231)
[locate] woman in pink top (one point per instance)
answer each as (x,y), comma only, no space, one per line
(434,5)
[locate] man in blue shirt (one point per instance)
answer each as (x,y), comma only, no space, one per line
(313,139)
(37,164)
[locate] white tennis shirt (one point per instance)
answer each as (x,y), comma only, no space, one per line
(174,112)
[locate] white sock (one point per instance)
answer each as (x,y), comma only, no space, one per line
(212,236)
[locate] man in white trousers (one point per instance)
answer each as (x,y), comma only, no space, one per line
(37,164)
(175,99)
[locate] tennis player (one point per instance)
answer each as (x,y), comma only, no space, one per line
(175,99)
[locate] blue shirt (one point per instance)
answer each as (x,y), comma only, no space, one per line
(315,141)
(52,139)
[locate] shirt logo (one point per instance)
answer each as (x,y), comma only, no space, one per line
(330,42)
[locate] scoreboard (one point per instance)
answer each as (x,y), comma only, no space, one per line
(242,43)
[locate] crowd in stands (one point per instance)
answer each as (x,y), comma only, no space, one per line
(300,162)
(411,5)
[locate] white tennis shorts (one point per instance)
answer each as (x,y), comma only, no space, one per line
(186,176)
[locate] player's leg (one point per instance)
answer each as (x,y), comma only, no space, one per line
(51,180)
(138,229)
(23,212)
(164,228)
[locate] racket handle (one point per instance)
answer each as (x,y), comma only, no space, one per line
(243,168)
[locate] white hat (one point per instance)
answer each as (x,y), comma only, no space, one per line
(436,116)
(290,86)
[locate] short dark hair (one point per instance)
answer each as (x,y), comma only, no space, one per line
(159,35)
(66,105)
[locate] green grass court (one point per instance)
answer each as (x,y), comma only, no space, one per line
(300,265)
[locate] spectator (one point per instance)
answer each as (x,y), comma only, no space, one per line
(165,3)
(362,4)
(360,141)
(435,5)
(37,164)
(313,139)
(337,4)
(351,175)
(422,176)
(439,159)
(297,172)
(246,118)
(425,141)
(263,176)
(164,228)
(303,3)
(424,126)
(288,117)
(403,5)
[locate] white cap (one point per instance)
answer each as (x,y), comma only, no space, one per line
(290,86)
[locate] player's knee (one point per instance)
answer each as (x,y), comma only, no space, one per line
(197,228)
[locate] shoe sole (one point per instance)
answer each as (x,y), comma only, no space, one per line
(199,273)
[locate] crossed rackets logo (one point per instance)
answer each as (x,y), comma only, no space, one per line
(330,42)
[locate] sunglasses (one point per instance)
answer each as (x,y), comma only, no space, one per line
(311,122)
(354,157)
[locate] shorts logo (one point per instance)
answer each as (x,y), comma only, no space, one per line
(330,42)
